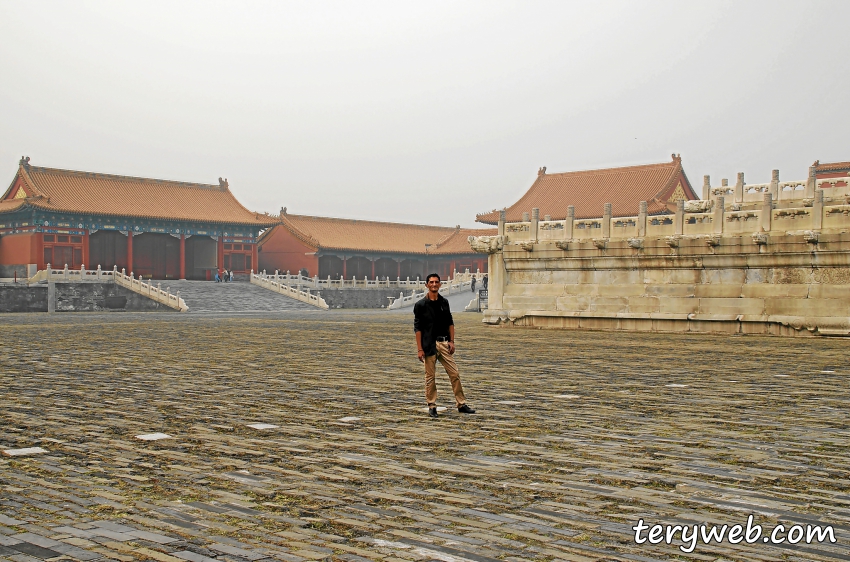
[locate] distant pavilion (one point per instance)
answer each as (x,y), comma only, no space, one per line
(347,248)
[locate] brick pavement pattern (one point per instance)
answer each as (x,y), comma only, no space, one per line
(235,297)
(578,435)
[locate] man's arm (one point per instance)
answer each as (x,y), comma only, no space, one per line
(421,352)
(451,339)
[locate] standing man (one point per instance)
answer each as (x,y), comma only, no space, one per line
(435,339)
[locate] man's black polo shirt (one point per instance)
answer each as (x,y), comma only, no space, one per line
(433,319)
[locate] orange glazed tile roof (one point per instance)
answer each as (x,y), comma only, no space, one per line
(457,241)
(831,166)
(371,236)
(589,190)
(90,193)
(11,205)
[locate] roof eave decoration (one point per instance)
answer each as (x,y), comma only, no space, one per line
(298,233)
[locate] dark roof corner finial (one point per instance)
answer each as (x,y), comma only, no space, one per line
(25,161)
(676,157)
(282,211)
(817,162)
(223,183)
(541,171)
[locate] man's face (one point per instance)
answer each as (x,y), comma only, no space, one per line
(433,284)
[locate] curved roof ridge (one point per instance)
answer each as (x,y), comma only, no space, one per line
(404,224)
(22,173)
(298,233)
(613,169)
(674,173)
(447,237)
(78,173)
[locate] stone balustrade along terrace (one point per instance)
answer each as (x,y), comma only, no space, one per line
(299,287)
(766,258)
(83,275)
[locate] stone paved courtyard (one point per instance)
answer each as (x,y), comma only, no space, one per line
(578,435)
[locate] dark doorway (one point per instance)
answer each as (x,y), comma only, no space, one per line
(358,267)
(330,266)
(156,256)
(386,268)
(412,269)
(201,257)
(107,248)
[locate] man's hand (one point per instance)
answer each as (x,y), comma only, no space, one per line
(421,356)
(451,348)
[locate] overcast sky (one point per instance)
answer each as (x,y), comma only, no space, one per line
(424,112)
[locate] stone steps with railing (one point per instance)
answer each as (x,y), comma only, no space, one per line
(289,291)
(300,287)
(83,275)
(212,297)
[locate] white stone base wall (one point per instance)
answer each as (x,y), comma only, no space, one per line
(782,285)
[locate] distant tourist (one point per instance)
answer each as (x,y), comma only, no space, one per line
(485,281)
(435,339)
(231,275)
(473,284)
(218,276)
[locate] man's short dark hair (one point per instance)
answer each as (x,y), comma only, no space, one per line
(430,275)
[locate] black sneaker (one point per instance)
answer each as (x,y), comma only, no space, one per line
(432,412)
(464,409)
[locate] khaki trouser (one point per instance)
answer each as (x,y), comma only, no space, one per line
(451,369)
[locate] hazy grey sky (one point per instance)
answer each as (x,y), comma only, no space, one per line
(426,112)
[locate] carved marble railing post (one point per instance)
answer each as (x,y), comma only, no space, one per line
(767,212)
(739,188)
(679,224)
(811,182)
(570,222)
(641,225)
(492,246)
(535,222)
(606,220)
(501,223)
(706,187)
(774,185)
(817,210)
(718,214)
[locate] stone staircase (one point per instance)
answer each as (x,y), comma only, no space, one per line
(239,296)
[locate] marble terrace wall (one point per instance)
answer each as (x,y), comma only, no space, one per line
(764,259)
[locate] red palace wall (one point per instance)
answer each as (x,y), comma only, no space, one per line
(283,252)
(17,249)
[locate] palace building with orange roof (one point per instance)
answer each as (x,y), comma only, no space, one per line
(159,229)
(348,248)
(660,185)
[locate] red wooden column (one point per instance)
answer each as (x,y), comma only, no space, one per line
(37,251)
(86,250)
(183,256)
(344,260)
(398,269)
(254,258)
(221,252)
(373,269)
(129,252)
